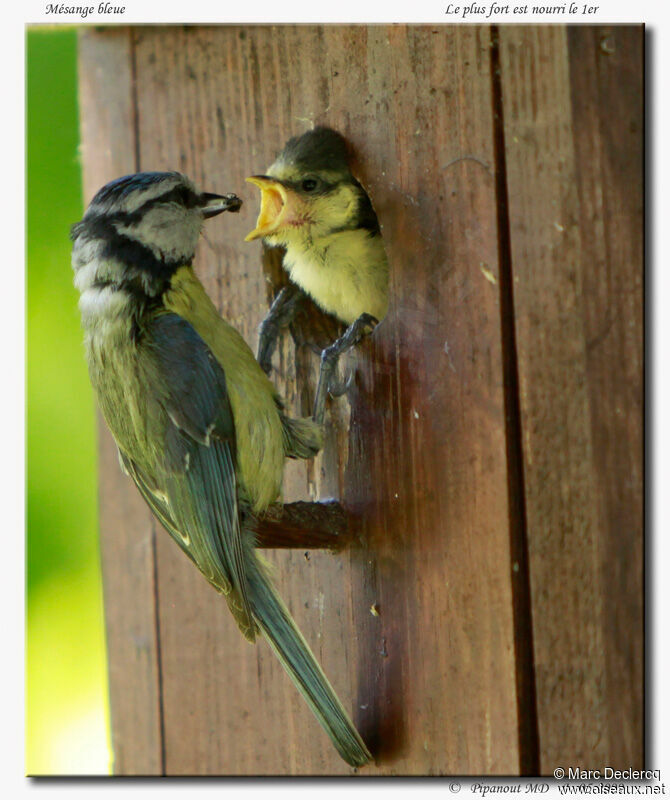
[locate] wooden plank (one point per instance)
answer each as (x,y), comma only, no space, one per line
(428,474)
(417,452)
(564,300)
(126,526)
(607,87)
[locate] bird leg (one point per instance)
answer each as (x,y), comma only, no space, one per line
(281,313)
(361,327)
(313,526)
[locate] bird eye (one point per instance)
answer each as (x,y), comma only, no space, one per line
(185,195)
(309,184)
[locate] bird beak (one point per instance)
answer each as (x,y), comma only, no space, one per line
(278,207)
(216,203)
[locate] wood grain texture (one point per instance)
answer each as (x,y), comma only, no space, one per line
(127,528)
(417,452)
(431,692)
(607,91)
(578,327)
(303,526)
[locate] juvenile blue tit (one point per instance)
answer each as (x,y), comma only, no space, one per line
(312,205)
(198,424)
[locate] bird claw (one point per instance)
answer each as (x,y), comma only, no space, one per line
(328,383)
(281,314)
(358,330)
(264,356)
(337,387)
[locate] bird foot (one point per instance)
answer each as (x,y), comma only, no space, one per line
(328,383)
(281,313)
(339,386)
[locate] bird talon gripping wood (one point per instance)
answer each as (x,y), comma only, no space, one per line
(328,383)
(339,386)
(281,312)
(312,205)
(198,424)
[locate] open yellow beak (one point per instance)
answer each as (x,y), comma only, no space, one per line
(273,205)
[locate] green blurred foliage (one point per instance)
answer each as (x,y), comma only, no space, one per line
(66,688)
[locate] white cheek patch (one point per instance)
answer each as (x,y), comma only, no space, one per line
(168,232)
(135,232)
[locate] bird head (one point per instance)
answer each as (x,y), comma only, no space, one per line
(143,225)
(308,192)
(161,211)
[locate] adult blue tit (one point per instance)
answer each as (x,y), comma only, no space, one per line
(198,425)
(313,206)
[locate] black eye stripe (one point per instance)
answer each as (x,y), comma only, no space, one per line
(179,194)
(182,195)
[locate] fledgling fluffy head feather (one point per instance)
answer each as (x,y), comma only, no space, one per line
(319,150)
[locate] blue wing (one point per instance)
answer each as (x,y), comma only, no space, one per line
(192,488)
